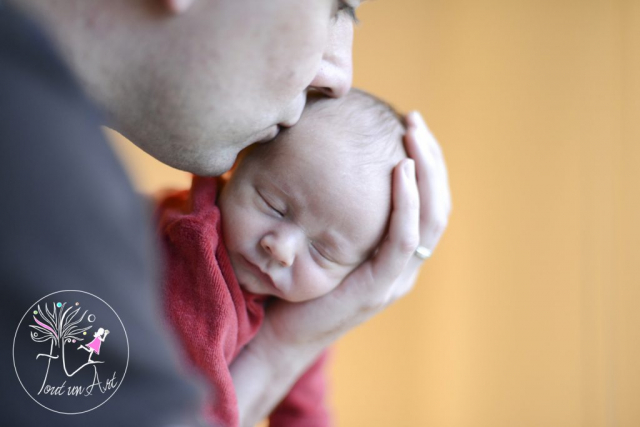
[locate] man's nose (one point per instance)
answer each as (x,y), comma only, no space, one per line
(281,246)
(336,70)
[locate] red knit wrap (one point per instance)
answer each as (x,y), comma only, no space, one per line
(212,315)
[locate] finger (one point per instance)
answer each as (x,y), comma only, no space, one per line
(422,146)
(416,123)
(433,181)
(421,143)
(403,235)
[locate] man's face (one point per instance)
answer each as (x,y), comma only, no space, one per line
(296,218)
(226,74)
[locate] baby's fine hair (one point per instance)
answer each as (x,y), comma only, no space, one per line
(375,129)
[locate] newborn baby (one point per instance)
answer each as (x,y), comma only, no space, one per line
(297,215)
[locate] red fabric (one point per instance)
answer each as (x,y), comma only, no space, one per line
(212,315)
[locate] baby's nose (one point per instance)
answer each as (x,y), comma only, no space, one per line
(281,247)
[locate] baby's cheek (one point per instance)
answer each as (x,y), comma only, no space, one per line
(324,281)
(237,228)
(337,277)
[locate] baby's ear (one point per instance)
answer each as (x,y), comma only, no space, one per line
(177,6)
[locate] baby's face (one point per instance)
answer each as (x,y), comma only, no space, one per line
(297,217)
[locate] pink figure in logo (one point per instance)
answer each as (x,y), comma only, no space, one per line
(94,346)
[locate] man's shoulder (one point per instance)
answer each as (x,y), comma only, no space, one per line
(28,55)
(57,168)
(46,119)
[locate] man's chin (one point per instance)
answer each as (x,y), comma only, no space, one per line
(208,166)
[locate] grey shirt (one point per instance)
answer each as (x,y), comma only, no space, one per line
(69,219)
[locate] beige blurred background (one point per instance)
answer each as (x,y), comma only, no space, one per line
(527,315)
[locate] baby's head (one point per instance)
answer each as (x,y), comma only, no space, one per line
(300,213)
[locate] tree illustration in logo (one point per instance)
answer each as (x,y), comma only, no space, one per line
(59,327)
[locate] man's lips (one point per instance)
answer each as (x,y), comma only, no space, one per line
(263,277)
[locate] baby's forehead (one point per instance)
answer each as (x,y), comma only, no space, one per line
(353,132)
(346,197)
(358,126)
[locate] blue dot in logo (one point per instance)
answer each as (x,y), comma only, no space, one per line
(59,305)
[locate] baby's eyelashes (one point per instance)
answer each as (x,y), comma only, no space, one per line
(320,256)
(271,206)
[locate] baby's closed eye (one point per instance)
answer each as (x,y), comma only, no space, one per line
(320,255)
(271,205)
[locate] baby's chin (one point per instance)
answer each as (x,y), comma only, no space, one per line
(251,284)
(256,290)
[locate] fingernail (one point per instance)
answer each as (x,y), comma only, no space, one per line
(181,6)
(411,118)
(409,168)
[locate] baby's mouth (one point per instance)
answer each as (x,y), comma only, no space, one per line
(259,274)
